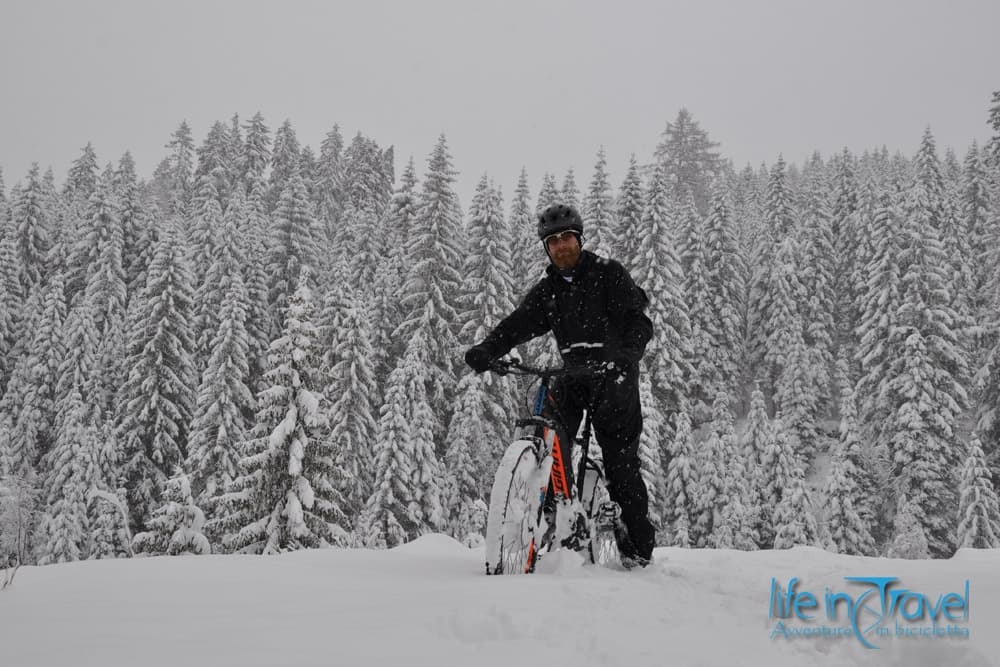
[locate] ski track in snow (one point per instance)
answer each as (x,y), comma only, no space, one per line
(428,603)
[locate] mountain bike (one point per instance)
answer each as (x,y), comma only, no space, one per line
(535,506)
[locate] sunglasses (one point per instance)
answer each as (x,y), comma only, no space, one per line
(559,236)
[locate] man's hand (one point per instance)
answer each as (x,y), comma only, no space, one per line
(478,358)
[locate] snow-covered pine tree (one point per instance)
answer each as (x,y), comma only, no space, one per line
(388,312)
(472,440)
(628,217)
(29,230)
(652,451)
(18,512)
(726,286)
(203,243)
(796,394)
(689,161)
(976,220)
(224,399)
(352,388)
(156,402)
(658,271)
(328,186)
(775,291)
(850,505)
(292,246)
(878,307)
(433,283)
(927,369)
(909,538)
(180,171)
(599,225)
(285,496)
(570,193)
(817,266)
(406,502)
(69,471)
(367,176)
(548,194)
(848,237)
(705,377)
(218,249)
(526,260)
(680,511)
(10,306)
(367,249)
(794,523)
(978,510)
(256,151)
(254,230)
(176,527)
(711,490)
(781,475)
(285,155)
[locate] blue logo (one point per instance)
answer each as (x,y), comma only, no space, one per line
(880,610)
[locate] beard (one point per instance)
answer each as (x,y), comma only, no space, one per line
(566,258)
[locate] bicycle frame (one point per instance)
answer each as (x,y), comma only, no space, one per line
(545,432)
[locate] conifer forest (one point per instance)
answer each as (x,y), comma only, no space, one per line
(258,347)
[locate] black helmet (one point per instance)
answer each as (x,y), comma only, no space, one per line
(558,218)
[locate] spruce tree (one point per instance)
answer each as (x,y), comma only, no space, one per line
(680,500)
(433,282)
(628,217)
(388,312)
(285,156)
(689,161)
(726,286)
(597,213)
(548,194)
(406,502)
(181,163)
(285,496)
(176,527)
(69,472)
(29,231)
(156,402)
(979,510)
(570,193)
(705,378)
(292,246)
(927,369)
(256,151)
(224,398)
(352,387)
(526,260)
(658,272)
(328,188)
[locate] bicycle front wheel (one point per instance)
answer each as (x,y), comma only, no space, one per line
(511,528)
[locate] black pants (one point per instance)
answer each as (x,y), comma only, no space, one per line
(617,422)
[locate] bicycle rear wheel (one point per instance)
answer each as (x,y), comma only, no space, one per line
(515,503)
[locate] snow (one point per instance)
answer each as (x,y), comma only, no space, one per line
(428,603)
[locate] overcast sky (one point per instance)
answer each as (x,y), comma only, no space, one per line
(510,82)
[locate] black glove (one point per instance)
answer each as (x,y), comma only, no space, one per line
(622,359)
(478,358)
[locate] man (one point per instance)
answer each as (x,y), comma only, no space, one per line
(595,310)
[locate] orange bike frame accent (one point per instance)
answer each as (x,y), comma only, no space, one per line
(560,481)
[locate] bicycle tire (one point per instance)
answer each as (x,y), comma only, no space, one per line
(511,527)
(603,547)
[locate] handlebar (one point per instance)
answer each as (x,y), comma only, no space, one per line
(514,367)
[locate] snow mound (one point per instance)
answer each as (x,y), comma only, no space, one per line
(977,556)
(434,544)
(562,562)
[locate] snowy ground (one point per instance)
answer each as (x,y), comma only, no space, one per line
(427,603)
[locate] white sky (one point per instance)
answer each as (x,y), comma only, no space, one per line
(510,83)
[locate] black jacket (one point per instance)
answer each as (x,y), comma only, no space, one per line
(596,317)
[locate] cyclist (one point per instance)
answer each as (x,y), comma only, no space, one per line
(595,311)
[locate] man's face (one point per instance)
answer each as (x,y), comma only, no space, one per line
(564,249)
